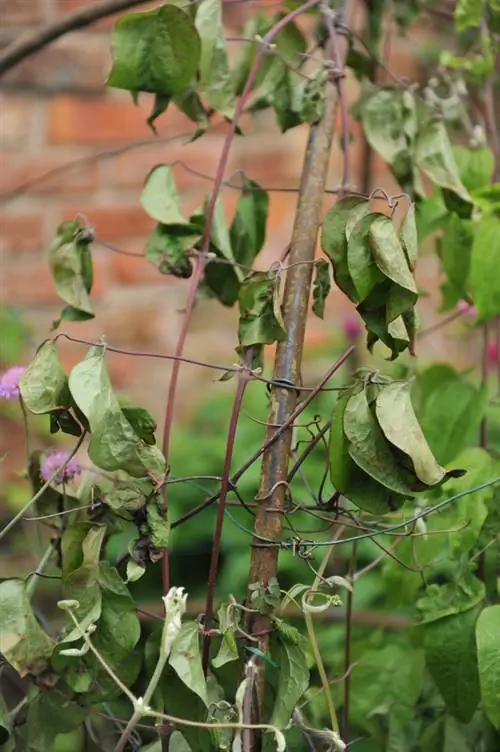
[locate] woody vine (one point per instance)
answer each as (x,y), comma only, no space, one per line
(409,455)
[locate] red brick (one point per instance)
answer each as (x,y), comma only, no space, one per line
(21,231)
(18,121)
(70,6)
(22,13)
(72,64)
(113,222)
(29,282)
(35,172)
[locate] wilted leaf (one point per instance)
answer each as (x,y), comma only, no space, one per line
(189,102)
(450,654)
(362,267)
(258,324)
(228,650)
(158,525)
(169,251)
(401,428)
(488,656)
(23,642)
(409,238)
(292,683)
(434,156)
(334,238)
(185,659)
(285,97)
(44,384)
(81,552)
(383,123)
(391,258)
(114,444)
(156,52)
(215,75)
(142,422)
(321,287)
(313,97)
(369,448)
(484,268)
(71,267)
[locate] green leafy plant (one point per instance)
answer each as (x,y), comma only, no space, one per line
(362,507)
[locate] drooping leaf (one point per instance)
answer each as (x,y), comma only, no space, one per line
(292,683)
(160,200)
(228,650)
(455,252)
(44,384)
(156,52)
(313,97)
(468,13)
(160,105)
(401,428)
(488,656)
(450,654)
(369,448)
(189,102)
(158,524)
(391,258)
(334,238)
(215,74)
(383,123)
(321,287)
(258,325)
(70,263)
(185,659)
(169,251)
(409,237)
(363,270)
(285,99)
(347,477)
(247,233)
(434,156)
(484,265)
(23,642)
(114,444)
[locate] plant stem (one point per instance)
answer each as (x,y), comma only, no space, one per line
(348,644)
(484,383)
(272,491)
(34,579)
(243,379)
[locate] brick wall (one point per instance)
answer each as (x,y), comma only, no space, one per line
(71,146)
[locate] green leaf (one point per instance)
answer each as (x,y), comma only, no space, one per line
(44,384)
(450,654)
(363,270)
(488,656)
(114,444)
(347,477)
(6,721)
(468,13)
(142,422)
(369,448)
(386,682)
(50,714)
(228,650)
(215,75)
(185,659)
(189,102)
(256,25)
(391,259)
(475,166)
(321,287)
(23,642)
(81,551)
(453,598)
(160,200)
(455,252)
(434,156)
(444,735)
(156,52)
(401,428)
(312,104)
(71,267)
(485,263)
(247,233)
(334,238)
(451,416)
(409,237)
(158,524)
(169,251)
(284,100)
(292,682)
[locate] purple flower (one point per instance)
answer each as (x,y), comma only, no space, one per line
(352,328)
(9,382)
(53,462)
